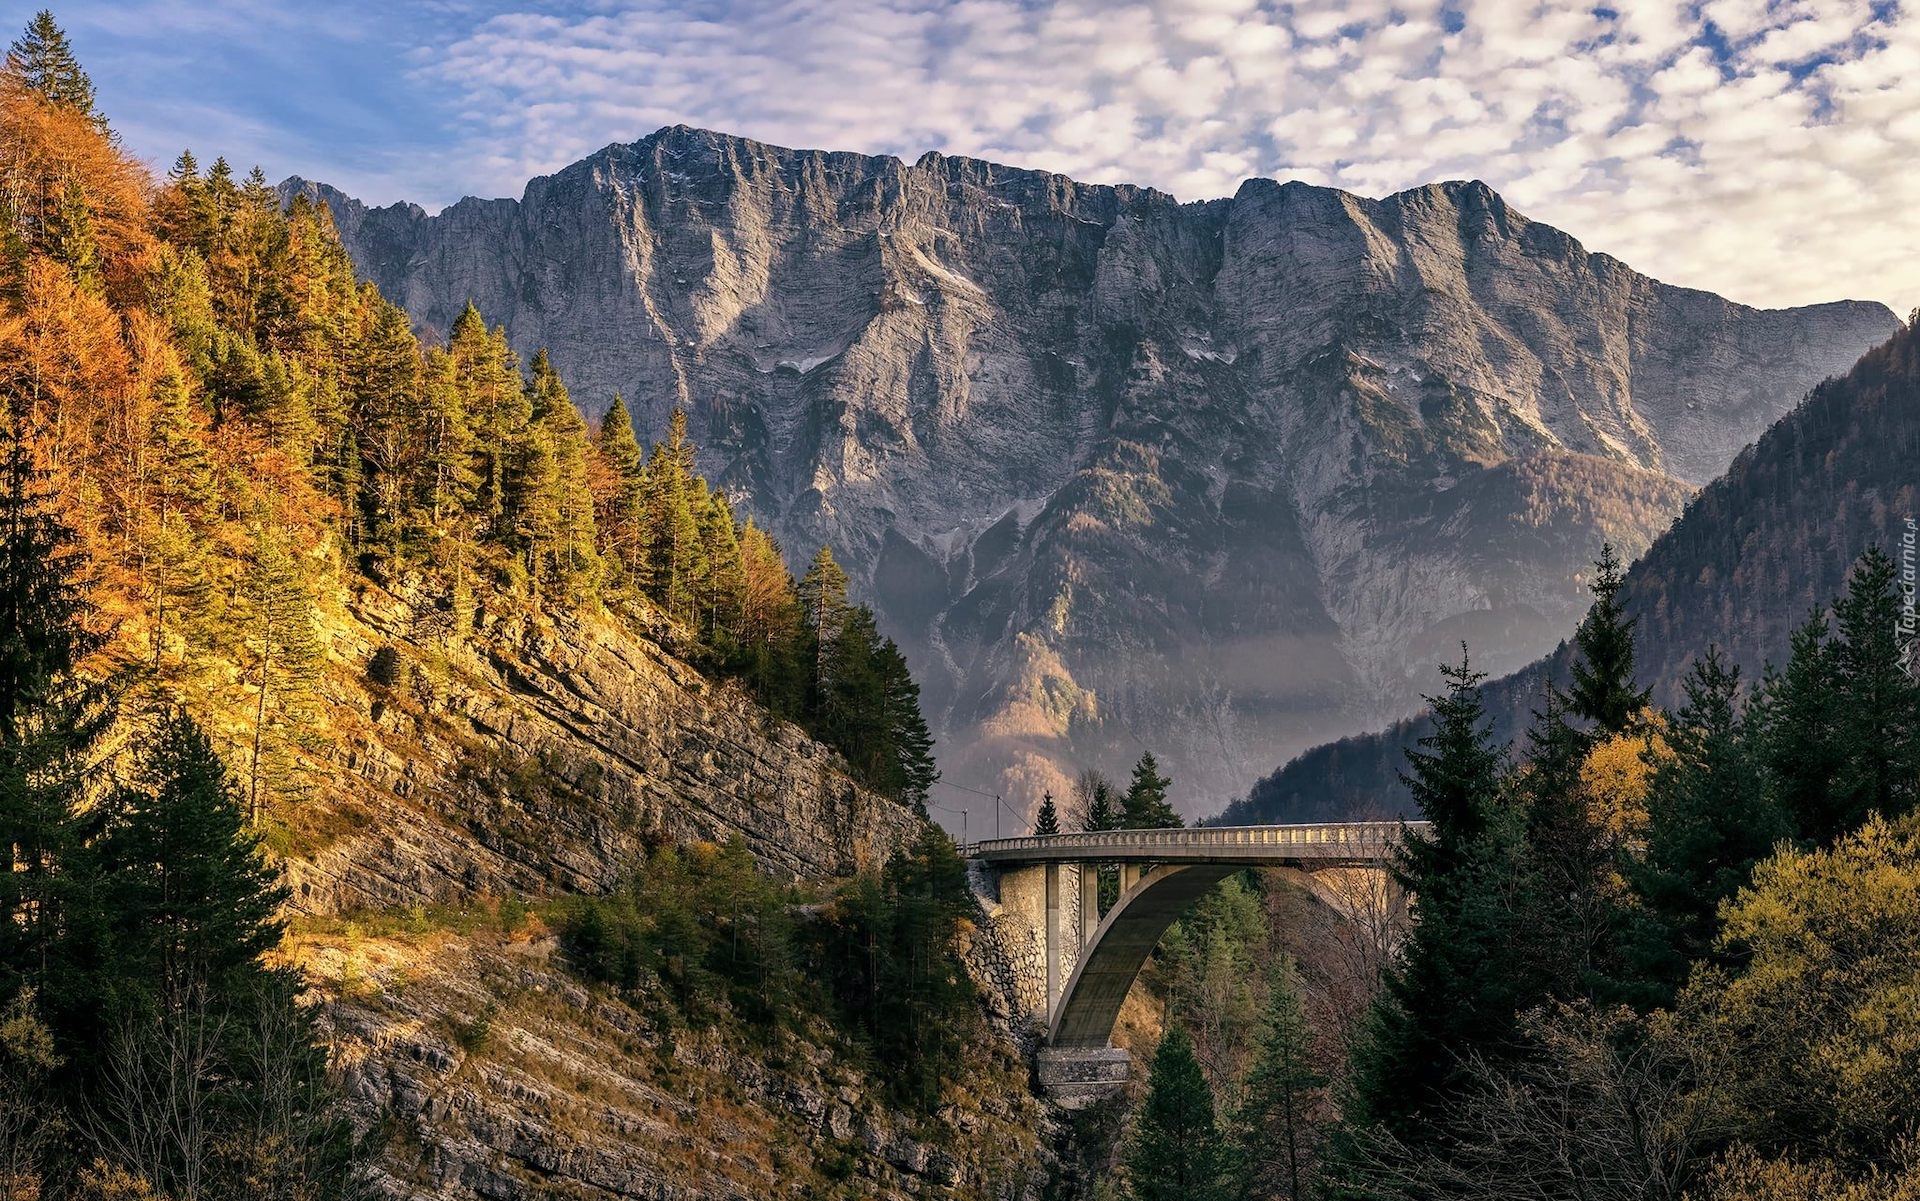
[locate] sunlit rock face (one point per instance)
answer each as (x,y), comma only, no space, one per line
(1219,479)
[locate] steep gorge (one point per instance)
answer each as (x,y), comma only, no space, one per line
(1213,478)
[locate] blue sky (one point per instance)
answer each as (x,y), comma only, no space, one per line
(1766,149)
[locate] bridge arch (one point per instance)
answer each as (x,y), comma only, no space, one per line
(1090,1002)
(1163,872)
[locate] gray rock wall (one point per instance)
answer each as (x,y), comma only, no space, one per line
(1221,480)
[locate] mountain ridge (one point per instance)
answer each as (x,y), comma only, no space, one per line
(1753,554)
(1120,471)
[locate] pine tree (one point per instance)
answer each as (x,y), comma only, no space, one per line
(1603,686)
(1876,702)
(1176,1152)
(42,59)
(1277,1128)
(51,716)
(1102,811)
(283,660)
(622,507)
(556,503)
(387,426)
(69,240)
(1145,806)
(674,501)
(499,413)
(1047,820)
(1567,911)
(1456,986)
(823,606)
(910,744)
(1797,736)
(1709,820)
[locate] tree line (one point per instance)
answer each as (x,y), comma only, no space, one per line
(1655,953)
(230,420)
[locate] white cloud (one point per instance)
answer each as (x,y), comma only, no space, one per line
(1773,156)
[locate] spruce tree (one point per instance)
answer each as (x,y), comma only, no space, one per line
(1176,1152)
(42,59)
(1145,805)
(1103,813)
(51,715)
(1603,676)
(565,554)
(823,606)
(69,240)
(910,743)
(1047,820)
(1709,820)
(1277,1128)
(282,662)
(1877,704)
(620,525)
(1797,736)
(723,584)
(1567,911)
(1456,986)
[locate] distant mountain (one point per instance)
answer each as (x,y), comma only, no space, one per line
(1755,553)
(1218,479)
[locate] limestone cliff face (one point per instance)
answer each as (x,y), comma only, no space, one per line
(1220,479)
(499,754)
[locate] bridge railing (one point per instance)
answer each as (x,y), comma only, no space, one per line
(1320,840)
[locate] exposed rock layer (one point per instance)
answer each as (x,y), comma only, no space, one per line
(1214,478)
(533,757)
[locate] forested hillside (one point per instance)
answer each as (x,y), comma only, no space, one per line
(299,616)
(1752,556)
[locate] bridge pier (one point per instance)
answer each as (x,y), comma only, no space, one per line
(1076,1077)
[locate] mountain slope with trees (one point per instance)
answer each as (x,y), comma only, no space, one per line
(308,628)
(1742,568)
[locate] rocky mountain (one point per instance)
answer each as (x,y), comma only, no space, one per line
(1754,553)
(535,754)
(1214,478)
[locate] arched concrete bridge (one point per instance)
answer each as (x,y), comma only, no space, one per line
(1081,963)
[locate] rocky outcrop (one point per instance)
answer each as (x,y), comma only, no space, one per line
(499,1077)
(1220,479)
(492,753)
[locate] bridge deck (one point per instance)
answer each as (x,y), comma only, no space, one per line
(1326,844)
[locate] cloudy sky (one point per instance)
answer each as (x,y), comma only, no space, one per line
(1766,149)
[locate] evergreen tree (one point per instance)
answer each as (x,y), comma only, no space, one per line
(723,588)
(1456,986)
(1277,1128)
(1145,806)
(622,513)
(674,499)
(1877,704)
(282,661)
(1102,811)
(499,412)
(910,743)
(556,505)
(387,425)
(69,238)
(1176,1152)
(1708,822)
(1603,685)
(51,716)
(1568,861)
(1047,820)
(1797,736)
(823,606)
(42,59)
